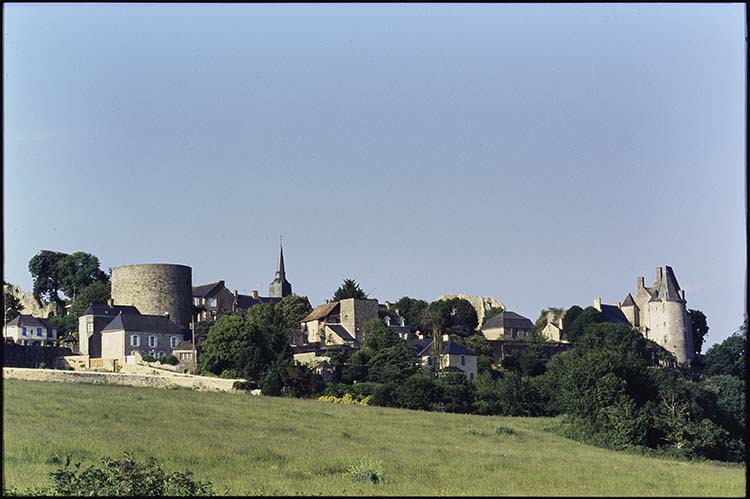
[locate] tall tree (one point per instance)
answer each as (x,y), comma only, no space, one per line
(78,270)
(727,357)
(411,310)
(293,309)
(11,304)
(699,328)
(45,270)
(349,289)
(570,315)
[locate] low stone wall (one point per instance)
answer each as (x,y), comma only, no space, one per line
(15,355)
(170,381)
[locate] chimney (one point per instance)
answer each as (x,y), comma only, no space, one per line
(236,294)
(598,304)
(658,275)
(221,282)
(446,337)
(255,294)
(640,283)
(619,304)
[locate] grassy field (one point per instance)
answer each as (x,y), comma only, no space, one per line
(251,445)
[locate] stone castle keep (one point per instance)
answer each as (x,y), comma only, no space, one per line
(659,312)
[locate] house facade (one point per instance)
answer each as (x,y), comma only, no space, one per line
(153,335)
(93,321)
(212,300)
(453,358)
(340,323)
(507,325)
(29,330)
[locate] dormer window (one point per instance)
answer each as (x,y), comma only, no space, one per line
(387,321)
(173,341)
(152,341)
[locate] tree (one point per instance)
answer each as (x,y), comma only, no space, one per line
(293,309)
(45,270)
(388,357)
(727,357)
(571,315)
(11,305)
(586,318)
(349,289)
(489,314)
(699,328)
(77,271)
(440,314)
(411,310)
(541,321)
(96,292)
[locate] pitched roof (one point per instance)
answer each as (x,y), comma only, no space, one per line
(204,290)
(246,301)
(320,311)
(184,345)
(142,323)
(508,319)
(629,302)
(668,287)
(611,313)
(342,332)
(30,321)
(448,347)
(106,310)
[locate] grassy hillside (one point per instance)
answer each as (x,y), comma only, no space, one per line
(259,445)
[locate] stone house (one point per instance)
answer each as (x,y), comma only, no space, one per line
(93,321)
(453,358)
(507,325)
(153,335)
(212,300)
(29,330)
(340,322)
(553,331)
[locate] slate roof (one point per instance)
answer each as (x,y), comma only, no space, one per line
(320,311)
(508,319)
(204,290)
(247,301)
(30,321)
(184,345)
(669,287)
(611,313)
(342,332)
(106,310)
(448,347)
(142,323)
(629,302)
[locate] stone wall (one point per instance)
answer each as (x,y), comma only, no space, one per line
(202,383)
(156,289)
(30,305)
(480,303)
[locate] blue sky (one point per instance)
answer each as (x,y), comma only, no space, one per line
(541,154)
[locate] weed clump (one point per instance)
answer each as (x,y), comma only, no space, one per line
(366,471)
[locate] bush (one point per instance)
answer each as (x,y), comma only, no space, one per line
(366,471)
(148,358)
(504,430)
(169,359)
(126,477)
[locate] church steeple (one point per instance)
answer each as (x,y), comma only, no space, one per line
(280,287)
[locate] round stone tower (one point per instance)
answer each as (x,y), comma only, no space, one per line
(156,289)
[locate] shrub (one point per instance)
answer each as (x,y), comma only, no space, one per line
(126,477)
(366,471)
(504,430)
(346,399)
(148,358)
(169,359)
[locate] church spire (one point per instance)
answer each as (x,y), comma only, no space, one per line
(280,287)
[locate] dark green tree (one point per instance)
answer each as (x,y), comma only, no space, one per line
(45,270)
(411,310)
(11,304)
(349,289)
(571,315)
(727,357)
(489,314)
(541,321)
(224,346)
(586,318)
(96,292)
(453,393)
(699,328)
(293,309)
(77,271)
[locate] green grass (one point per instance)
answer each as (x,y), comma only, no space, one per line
(251,445)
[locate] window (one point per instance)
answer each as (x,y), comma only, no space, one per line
(173,341)
(429,361)
(23,331)
(463,360)
(90,327)
(49,334)
(212,302)
(39,331)
(135,340)
(152,341)
(471,376)
(185,356)
(196,301)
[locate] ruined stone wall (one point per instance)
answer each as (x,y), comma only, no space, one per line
(156,289)
(480,303)
(30,305)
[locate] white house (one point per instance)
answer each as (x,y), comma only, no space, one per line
(30,330)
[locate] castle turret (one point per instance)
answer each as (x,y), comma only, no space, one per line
(280,287)
(630,310)
(669,322)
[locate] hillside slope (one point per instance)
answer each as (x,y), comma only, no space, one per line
(260,445)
